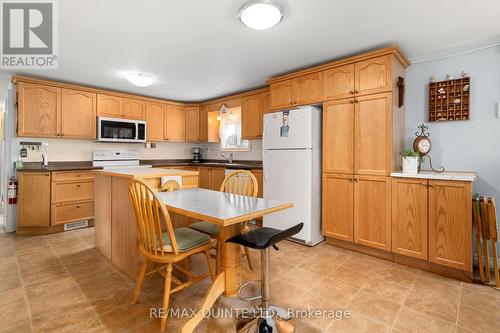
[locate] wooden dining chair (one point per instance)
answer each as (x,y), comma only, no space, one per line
(163,244)
(241,182)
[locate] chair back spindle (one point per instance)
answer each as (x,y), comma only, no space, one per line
(152,220)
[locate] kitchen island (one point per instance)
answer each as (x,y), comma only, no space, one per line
(115,225)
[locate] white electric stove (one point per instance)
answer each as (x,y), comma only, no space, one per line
(116,159)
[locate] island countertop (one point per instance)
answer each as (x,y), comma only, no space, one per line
(144,172)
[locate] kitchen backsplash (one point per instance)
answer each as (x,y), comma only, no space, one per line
(81,150)
(255,153)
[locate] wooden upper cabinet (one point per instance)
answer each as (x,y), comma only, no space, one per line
(33,207)
(109,106)
(133,109)
(39,109)
(450,224)
(78,118)
(309,88)
(373,75)
(265,99)
(213,127)
(373,134)
(409,217)
(338,82)
(283,94)
(155,120)
(175,123)
(372,212)
(251,117)
(338,136)
(338,206)
(203,123)
(192,123)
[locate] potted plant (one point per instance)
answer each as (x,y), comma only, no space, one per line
(410,161)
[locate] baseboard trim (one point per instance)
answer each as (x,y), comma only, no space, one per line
(403,260)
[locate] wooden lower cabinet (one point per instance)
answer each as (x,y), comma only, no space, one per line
(33,206)
(54,198)
(338,209)
(205,177)
(372,212)
(259,175)
(72,212)
(409,217)
(218,175)
(450,224)
(211,178)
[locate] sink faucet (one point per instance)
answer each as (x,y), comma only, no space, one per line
(228,157)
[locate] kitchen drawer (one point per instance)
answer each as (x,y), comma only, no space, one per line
(72,191)
(64,213)
(58,176)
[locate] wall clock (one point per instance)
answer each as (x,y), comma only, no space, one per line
(422,144)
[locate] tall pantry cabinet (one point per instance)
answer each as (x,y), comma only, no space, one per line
(363,134)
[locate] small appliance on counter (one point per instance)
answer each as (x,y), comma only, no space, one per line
(197,155)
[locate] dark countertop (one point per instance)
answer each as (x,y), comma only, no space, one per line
(237,164)
(58,166)
(87,165)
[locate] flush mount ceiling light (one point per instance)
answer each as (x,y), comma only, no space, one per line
(140,79)
(261,14)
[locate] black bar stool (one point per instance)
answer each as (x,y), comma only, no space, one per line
(262,239)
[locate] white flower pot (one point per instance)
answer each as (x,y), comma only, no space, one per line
(410,165)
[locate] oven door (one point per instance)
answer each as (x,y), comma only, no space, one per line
(117,130)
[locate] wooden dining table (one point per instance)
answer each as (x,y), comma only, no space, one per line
(228,211)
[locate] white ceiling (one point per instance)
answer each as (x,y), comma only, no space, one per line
(199,50)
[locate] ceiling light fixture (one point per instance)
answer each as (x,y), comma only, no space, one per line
(261,14)
(140,79)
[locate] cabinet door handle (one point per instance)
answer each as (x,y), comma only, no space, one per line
(351,101)
(351,92)
(356,92)
(77,206)
(430,185)
(356,101)
(78,185)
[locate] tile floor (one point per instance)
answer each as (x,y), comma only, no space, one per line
(59,283)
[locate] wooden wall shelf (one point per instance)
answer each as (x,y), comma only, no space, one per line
(449,100)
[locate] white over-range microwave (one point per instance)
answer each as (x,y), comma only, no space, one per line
(120,130)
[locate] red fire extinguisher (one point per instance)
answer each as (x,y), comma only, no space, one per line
(12,192)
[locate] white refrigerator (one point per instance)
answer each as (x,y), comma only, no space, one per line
(292,170)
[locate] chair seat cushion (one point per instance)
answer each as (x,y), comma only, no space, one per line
(263,238)
(187,239)
(206,227)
